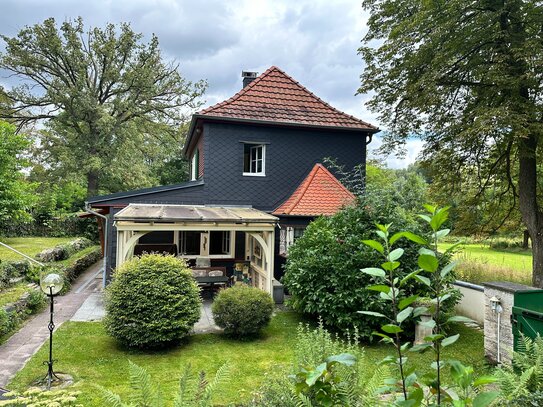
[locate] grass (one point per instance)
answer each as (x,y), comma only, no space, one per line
(29,245)
(478,263)
(76,256)
(84,350)
(13,293)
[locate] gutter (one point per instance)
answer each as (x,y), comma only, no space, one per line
(106,230)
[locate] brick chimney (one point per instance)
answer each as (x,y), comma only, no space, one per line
(248,77)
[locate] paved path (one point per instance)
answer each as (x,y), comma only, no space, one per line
(206,323)
(93,310)
(22,345)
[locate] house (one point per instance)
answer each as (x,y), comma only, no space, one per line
(256,180)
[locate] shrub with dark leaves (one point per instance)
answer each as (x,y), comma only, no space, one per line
(323,269)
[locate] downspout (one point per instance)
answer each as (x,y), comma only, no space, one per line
(106,234)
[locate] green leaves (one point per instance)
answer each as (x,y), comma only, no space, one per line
(403,315)
(450,340)
(408,235)
(395,254)
(428,263)
(404,302)
(372,313)
(374,245)
(425,280)
(380,288)
(373,271)
(391,329)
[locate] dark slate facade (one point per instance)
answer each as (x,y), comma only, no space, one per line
(291,153)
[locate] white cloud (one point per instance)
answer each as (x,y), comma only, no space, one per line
(315,41)
(413,147)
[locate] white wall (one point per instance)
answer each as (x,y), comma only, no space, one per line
(472,304)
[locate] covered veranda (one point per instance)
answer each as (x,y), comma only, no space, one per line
(184,221)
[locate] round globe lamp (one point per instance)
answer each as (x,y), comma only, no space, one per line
(51,284)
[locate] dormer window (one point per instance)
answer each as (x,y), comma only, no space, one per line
(254,159)
(195,165)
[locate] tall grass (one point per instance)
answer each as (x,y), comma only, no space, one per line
(477,271)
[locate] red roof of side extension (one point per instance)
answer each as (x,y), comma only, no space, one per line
(275,96)
(320,193)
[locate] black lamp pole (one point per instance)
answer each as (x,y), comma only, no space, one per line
(51,376)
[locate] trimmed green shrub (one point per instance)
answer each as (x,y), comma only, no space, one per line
(323,269)
(242,310)
(152,301)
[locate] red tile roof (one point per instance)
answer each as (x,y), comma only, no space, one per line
(320,193)
(275,96)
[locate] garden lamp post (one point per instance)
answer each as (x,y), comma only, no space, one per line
(51,284)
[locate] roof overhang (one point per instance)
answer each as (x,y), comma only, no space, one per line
(201,117)
(187,217)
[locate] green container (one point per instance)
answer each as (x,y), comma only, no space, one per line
(527,315)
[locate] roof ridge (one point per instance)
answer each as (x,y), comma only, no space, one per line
(322,105)
(319,177)
(335,180)
(323,101)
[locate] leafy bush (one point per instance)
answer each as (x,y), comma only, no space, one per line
(323,270)
(242,310)
(152,301)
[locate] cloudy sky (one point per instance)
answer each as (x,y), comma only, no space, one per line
(315,41)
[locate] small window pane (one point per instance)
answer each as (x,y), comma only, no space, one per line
(189,243)
(253,159)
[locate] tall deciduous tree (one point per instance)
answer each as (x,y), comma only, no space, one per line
(16,195)
(466,76)
(95,89)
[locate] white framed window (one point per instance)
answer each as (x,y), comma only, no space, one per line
(219,243)
(195,165)
(254,159)
(213,244)
(292,234)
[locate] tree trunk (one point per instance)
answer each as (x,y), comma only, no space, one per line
(531,215)
(92,183)
(525,239)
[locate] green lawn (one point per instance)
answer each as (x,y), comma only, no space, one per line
(85,351)
(29,245)
(76,256)
(479,263)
